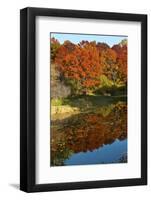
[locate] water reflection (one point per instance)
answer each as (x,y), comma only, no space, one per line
(90,138)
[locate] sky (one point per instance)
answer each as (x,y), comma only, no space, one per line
(76,38)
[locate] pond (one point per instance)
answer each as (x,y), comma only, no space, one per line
(96,137)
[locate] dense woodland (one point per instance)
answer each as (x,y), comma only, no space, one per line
(88,67)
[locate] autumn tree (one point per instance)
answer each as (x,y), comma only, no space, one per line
(54,45)
(109,65)
(81,66)
(69,46)
(121,51)
(101,47)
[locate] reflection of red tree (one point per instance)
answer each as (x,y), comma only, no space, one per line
(87,132)
(97,131)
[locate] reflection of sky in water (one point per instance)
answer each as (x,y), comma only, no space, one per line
(106,154)
(97,137)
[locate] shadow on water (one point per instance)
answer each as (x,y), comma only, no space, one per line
(98,137)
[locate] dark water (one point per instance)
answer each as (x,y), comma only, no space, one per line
(96,137)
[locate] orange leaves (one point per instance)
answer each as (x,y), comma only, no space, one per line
(108,57)
(121,51)
(85,62)
(81,64)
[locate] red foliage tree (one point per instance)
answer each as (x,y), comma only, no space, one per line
(80,65)
(108,61)
(121,51)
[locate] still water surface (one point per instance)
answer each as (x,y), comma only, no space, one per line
(96,137)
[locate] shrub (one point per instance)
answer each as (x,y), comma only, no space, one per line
(56,102)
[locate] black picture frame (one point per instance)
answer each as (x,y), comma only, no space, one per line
(28,99)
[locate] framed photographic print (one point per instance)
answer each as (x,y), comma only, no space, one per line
(83,99)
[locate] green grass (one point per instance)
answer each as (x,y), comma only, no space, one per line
(57,102)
